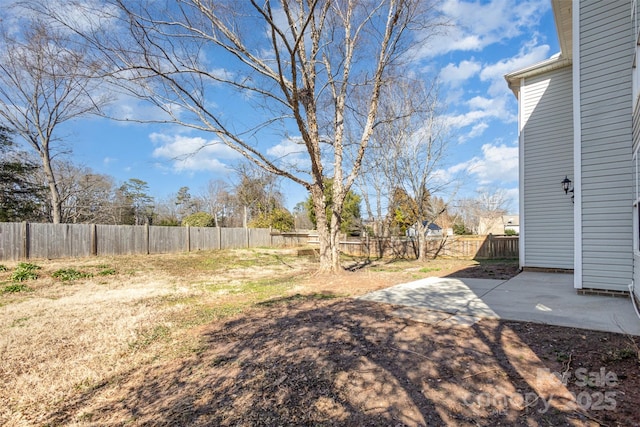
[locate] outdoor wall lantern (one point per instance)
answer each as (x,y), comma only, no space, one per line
(566,185)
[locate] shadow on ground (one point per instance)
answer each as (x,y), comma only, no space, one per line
(490,269)
(315,360)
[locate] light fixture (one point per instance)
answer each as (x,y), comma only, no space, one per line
(566,184)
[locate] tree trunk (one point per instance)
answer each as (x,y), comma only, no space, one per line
(329,249)
(421,235)
(317,196)
(336,266)
(54,194)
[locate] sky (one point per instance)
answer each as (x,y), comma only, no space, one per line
(489,39)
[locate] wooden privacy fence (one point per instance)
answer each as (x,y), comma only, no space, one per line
(471,247)
(32,241)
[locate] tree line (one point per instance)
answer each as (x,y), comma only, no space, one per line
(334,79)
(252,198)
(86,196)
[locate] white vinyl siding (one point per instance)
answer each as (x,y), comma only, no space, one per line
(606,56)
(547,136)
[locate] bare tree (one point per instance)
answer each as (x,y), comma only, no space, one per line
(481,213)
(218,201)
(407,152)
(86,197)
(298,63)
(44,82)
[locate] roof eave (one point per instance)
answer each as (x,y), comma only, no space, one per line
(514,78)
(562,16)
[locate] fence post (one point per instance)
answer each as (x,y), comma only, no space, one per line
(25,240)
(219,238)
(247,237)
(146,237)
(94,240)
(188,236)
(491,248)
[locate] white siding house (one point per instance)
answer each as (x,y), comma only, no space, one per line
(576,120)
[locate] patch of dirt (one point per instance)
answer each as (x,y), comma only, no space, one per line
(310,361)
(316,356)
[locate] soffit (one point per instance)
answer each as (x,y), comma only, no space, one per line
(562,14)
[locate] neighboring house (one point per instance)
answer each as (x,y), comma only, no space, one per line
(579,118)
(511,222)
(498,225)
(433,229)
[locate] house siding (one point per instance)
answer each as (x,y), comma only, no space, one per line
(606,144)
(636,145)
(547,135)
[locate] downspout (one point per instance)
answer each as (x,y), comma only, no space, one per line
(523,218)
(633,298)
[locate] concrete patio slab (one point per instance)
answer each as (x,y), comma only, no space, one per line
(434,317)
(441,294)
(546,298)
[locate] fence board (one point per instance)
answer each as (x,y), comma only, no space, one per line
(11,241)
(260,237)
(121,239)
(64,240)
(290,239)
(234,238)
(167,239)
(204,238)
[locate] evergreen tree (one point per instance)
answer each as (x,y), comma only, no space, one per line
(20,198)
(350,220)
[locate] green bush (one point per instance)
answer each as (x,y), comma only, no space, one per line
(199,219)
(510,232)
(3,268)
(107,272)
(67,274)
(279,219)
(18,287)
(25,271)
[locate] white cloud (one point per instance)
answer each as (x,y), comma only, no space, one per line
(456,74)
(497,101)
(109,160)
(478,130)
(528,55)
(291,153)
(498,164)
(125,108)
(479,24)
(482,109)
(193,153)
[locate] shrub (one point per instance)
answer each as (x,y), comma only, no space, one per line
(18,287)
(3,267)
(25,271)
(67,274)
(107,272)
(510,232)
(199,219)
(279,219)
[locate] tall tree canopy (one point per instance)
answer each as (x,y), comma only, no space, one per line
(21,198)
(45,81)
(299,64)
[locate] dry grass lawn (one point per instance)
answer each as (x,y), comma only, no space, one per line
(252,337)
